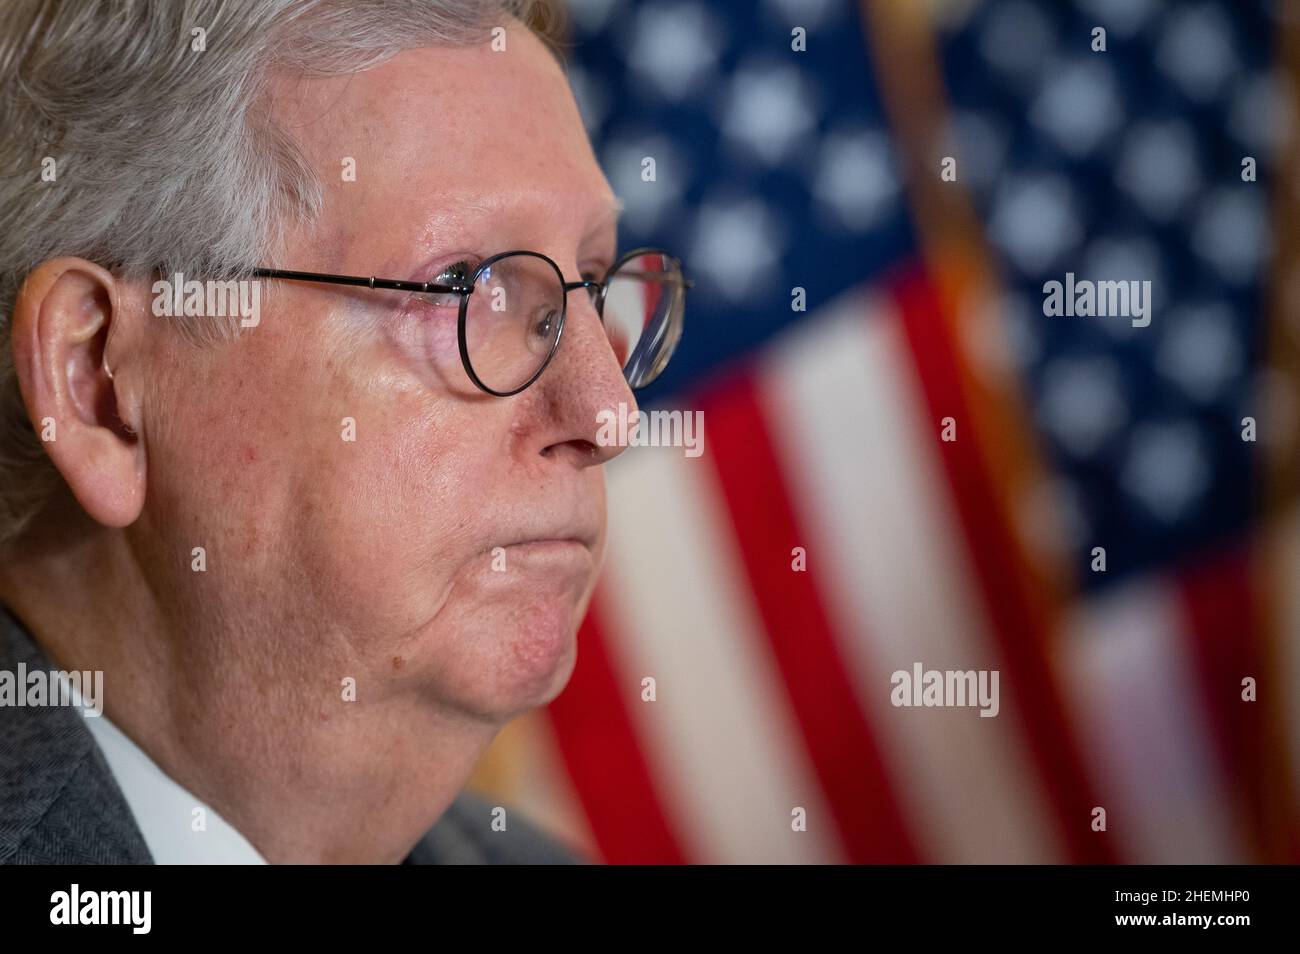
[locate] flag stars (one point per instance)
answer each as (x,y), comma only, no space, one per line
(1231,231)
(1201,351)
(1016,39)
(1079,106)
(854,183)
(1034,221)
(1158,167)
(1166,469)
(736,248)
(1130,258)
(1196,52)
(770,111)
(675,47)
(1082,403)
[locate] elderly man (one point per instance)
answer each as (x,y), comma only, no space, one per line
(322,533)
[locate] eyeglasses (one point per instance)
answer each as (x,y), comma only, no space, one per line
(513,305)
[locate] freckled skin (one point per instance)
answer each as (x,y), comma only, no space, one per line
(369,559)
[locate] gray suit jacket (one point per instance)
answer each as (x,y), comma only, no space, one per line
(59,802)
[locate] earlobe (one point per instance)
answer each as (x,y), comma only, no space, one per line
(63,318)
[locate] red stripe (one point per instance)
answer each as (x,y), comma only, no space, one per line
(1221,607)
(1027,677)
(603,756)
(798,628)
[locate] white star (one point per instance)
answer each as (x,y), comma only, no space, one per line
(1033,221)
(735,248)
(854,182)
(1231,232)
(1082,404)
(1166,468)
(1079,106)
(770,110)
(1196,51)
(1200,350)
(1126,259)
(674,47)
(1016,38)
(1158,167)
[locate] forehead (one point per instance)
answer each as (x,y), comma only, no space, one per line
(445,136)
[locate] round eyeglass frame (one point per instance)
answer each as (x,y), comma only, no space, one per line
(465,290)
(602,287)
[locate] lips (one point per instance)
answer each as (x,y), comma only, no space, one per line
(588,542)
(552,521)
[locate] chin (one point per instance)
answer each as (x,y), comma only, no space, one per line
(514,659)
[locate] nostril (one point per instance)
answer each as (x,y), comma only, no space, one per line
(582,449)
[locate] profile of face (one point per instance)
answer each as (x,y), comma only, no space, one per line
(364,510)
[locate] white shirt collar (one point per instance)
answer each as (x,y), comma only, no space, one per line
(165,811)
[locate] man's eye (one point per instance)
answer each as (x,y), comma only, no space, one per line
(457,273)
(544,328)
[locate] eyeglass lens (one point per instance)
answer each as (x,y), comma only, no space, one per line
(513,317)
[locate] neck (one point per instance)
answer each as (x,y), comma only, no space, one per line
(274,745)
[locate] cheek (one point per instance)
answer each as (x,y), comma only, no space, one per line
(426,340)
(377,509)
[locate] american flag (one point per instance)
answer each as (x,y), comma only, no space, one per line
(852,303)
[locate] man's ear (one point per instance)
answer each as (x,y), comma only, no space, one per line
(86,415)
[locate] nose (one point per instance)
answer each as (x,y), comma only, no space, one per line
(581,387)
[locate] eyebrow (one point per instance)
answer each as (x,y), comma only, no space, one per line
(466,212)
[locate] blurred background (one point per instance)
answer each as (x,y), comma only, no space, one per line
(1113,527)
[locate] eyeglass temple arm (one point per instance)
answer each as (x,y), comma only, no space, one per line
(371,282)
(395,284)
(650,276)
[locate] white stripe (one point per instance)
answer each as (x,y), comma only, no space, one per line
(720,738)
(1126,668)
(846,410)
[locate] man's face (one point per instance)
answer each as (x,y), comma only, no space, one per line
(377,558)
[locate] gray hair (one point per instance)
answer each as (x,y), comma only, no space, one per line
(128,111)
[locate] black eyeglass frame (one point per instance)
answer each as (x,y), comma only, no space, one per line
(464,291)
